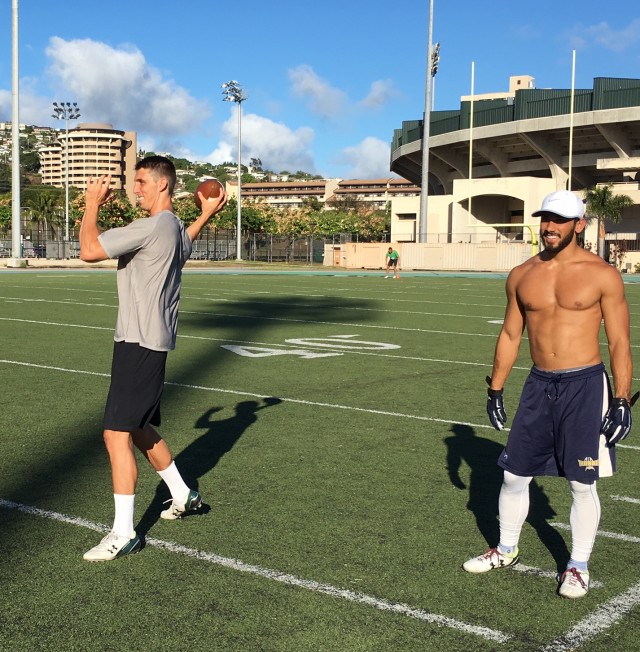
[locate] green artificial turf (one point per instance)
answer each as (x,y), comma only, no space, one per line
(369,471)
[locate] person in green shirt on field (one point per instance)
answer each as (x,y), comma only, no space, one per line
(392,258)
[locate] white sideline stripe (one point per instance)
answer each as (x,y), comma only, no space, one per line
(626,499)
(278,576)
(602,618)
(335,406)
(602,533)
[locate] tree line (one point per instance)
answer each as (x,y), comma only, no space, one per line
(258,217)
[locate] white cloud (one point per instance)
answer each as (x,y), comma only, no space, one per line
(5,105)
(275,144)
(322,98)
(118,86)
(368,160)
(606,36)
(381,92)
(34,109)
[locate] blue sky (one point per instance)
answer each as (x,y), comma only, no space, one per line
(327,82)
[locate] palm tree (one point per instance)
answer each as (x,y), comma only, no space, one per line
(604,205)
(44,207)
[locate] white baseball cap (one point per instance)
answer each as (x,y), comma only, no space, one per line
(563,203)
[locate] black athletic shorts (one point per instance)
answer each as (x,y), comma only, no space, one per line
(137,381)
(556,429)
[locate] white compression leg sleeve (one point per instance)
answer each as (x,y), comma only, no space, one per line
(513,507)
(584,519)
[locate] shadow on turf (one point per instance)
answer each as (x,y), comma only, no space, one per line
(484,488)
(42,480)
(202,455)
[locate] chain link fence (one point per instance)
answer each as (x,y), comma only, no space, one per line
(213,245)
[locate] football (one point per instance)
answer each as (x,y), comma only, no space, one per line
(210,188)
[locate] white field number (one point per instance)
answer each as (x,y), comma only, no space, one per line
(262,352)
(339,343)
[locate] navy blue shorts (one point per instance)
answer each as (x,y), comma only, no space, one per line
(556,429)
(137,382)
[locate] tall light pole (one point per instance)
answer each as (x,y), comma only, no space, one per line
(233,92)
(66,111)
(433,57)
(16,247)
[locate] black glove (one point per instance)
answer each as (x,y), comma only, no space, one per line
(495,407)
(617,421)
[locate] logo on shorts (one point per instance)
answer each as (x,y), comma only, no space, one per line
(589,463)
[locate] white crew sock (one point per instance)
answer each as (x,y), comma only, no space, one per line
(177,487)
(123,520)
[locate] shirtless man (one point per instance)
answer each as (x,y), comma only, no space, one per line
(567,423)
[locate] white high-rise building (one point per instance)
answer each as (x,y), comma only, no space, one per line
(94,149)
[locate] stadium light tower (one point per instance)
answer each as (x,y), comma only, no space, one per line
(233,92)
(66,111)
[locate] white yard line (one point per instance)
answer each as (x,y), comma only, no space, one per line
(632,448)
(627,538)
(335,406)
(278,576)
(598,621)
(264,318)
(626,499)
(284,346)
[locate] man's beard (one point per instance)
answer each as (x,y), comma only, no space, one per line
(563,243)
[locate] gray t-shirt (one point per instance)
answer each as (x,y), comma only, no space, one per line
(151,252)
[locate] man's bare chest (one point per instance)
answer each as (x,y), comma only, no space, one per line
(546,292)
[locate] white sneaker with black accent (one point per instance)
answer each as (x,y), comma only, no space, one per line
(574,583)
(113,546)
(178,510)
(490,560)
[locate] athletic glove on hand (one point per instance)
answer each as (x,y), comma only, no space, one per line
(617,421)
(495,407)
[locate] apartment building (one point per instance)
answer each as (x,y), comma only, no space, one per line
(375,193)
(283,194)
(94,149)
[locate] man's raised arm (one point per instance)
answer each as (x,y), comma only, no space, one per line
(98,193)
(209,208)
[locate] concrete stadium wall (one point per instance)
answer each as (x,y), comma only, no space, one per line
(492,257)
